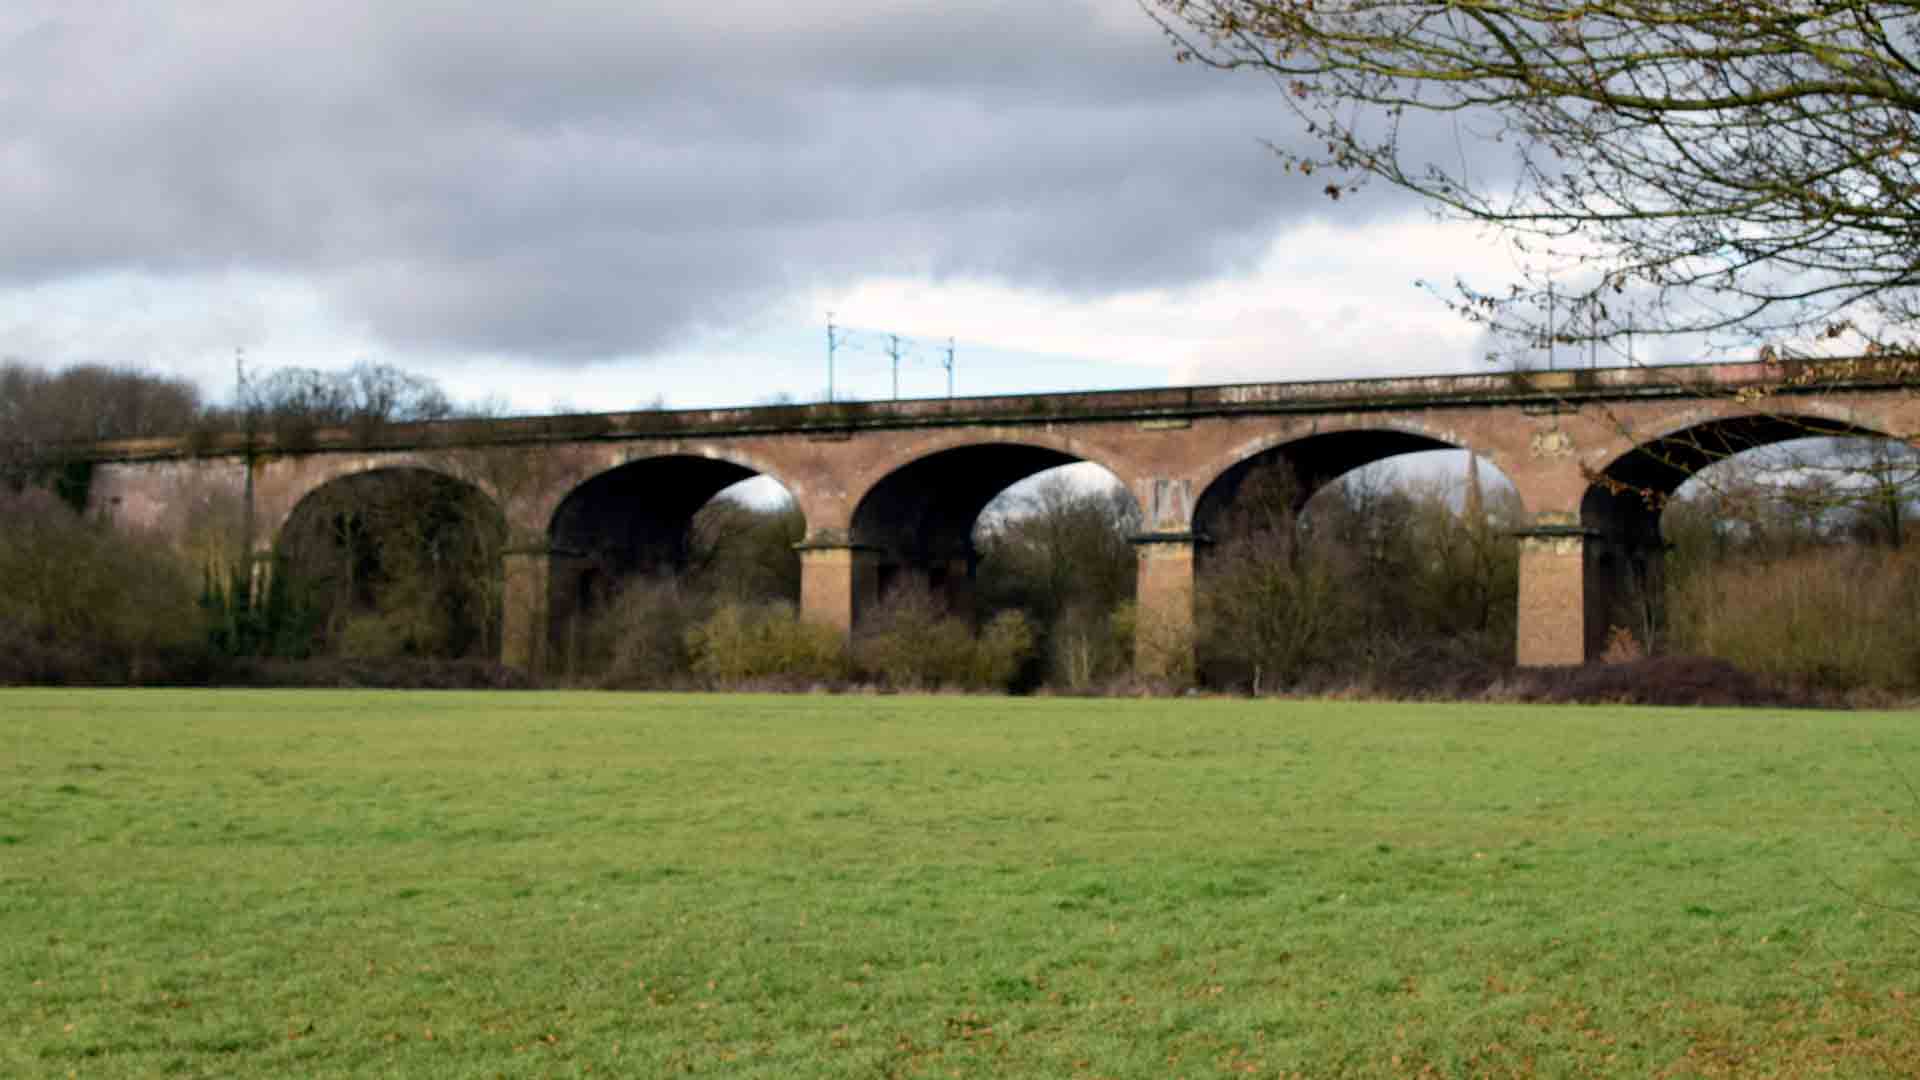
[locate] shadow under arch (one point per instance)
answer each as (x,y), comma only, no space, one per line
(635,519)
(1624,550)
(395,560)
(1309,463)
(916,523)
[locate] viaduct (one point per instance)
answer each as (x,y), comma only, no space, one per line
(894,488)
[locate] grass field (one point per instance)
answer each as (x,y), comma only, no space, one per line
(336,883)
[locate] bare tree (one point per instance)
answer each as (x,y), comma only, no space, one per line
(1375,579)
(294,402)
(1749,172)
(745,553)
(42,413)
(1058,546)
(1061,553)
(86,602)
(1870,483)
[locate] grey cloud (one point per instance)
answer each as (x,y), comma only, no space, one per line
(572,181)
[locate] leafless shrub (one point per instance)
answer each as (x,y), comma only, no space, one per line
(1360,589)
(1836,618)
(1655,680)
(1622,647)
(912,643)
(386,673)
(85,602)
(764,645)
(640,640)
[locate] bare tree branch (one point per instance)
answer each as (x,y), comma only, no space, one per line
(1740,171)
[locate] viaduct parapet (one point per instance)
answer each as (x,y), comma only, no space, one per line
(891,490)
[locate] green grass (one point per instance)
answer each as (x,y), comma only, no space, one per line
(351,884)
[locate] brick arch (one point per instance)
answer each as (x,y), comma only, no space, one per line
(860,483)
(915,522)
(284,484)
(621,517)
(1621,509)
(584,469)
(343,559)
(1323,454)
(1663,460)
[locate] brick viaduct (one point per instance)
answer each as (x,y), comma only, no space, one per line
(895,487)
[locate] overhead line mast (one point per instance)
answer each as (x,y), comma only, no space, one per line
(898,347)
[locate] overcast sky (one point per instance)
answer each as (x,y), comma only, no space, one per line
(593,205)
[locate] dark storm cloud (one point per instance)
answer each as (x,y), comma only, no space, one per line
(576,180)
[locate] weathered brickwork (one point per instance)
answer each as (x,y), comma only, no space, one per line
(1552,588)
